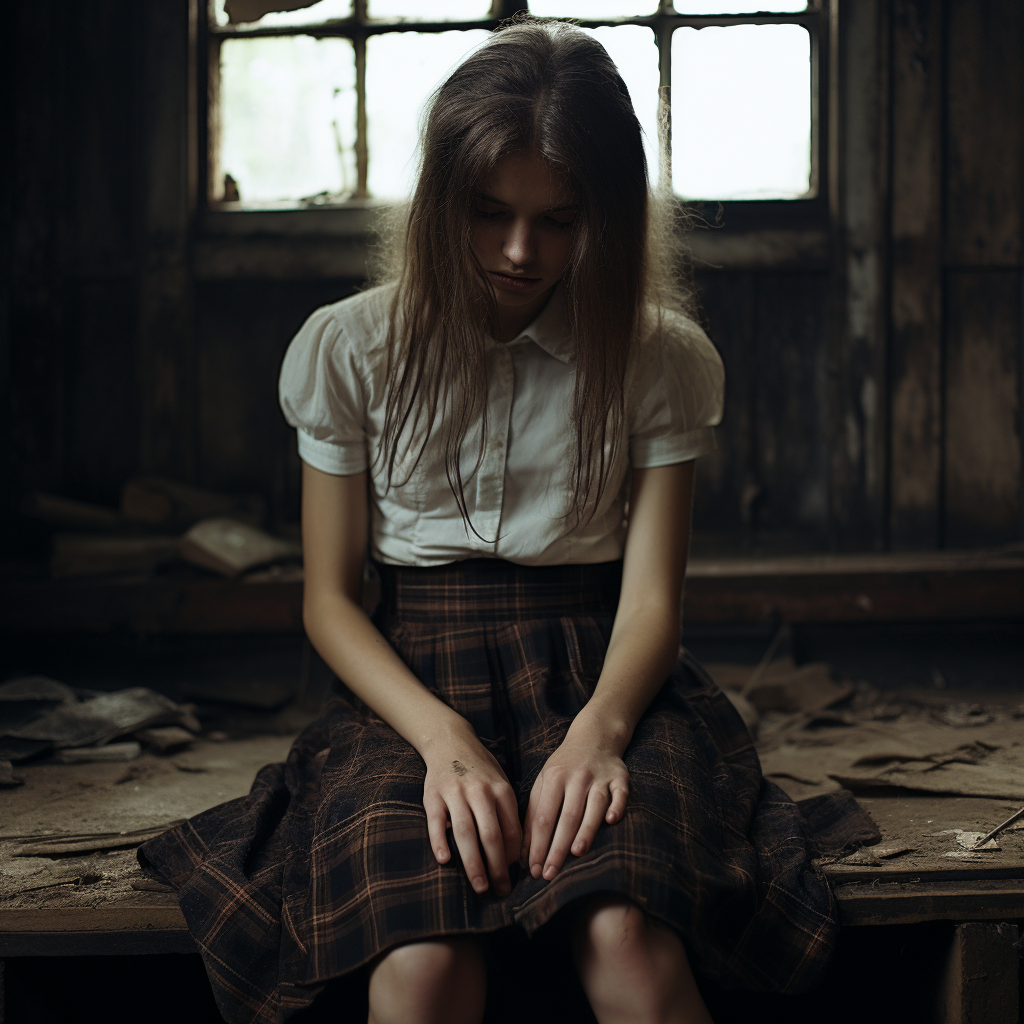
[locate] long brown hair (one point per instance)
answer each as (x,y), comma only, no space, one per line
(550,88)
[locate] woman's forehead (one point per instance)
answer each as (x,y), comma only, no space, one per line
(518,177)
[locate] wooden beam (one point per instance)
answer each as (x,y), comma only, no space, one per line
(935,587)
(984,450)
(886,903)
(985,82)
(858,161)
(916,285)
(979,983)
(166,364)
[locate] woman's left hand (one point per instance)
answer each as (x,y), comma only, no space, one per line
(583,784)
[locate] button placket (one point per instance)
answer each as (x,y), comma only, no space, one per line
(491,478)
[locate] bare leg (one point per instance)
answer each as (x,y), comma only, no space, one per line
(441,981)
(634,970)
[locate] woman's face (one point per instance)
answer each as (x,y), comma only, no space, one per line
(523,217)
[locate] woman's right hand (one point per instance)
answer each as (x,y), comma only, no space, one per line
(466,786)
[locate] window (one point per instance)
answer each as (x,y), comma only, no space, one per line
(320,106)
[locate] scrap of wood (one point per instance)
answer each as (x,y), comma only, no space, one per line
(76,555)
(71,514)
(85,844)
(166,738)
(7,777)
(1003,780)
(127,751)
(171,505)
(230,547)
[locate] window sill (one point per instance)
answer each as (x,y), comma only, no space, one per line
(290,242)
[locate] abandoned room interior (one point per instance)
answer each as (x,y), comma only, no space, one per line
(186,181)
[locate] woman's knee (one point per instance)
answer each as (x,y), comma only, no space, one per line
(423,982)
(610,928)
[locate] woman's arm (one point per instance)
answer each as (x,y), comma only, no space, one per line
(479,801)
(585,781)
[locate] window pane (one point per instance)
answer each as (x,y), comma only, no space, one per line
(592,8)
(394,102)
(738,7)
(436,10)
(741,112)
(288,116)
(325,10)
(635,52)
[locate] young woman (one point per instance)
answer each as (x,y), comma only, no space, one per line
(508,427)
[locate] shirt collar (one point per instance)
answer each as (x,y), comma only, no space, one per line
(550,329)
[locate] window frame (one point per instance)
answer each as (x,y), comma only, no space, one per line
(800,223)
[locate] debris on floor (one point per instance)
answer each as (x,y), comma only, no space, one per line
(40,715)
(161,524)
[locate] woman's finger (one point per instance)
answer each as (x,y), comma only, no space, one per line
(597,803)
(464,830)
(492,840)
(569,819)
(620,793)
(542,823)
(437,824)
(508,819)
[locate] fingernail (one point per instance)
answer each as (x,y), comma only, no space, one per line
(480,884)
(442,855)
(550,871)
(577,848)
(535,870)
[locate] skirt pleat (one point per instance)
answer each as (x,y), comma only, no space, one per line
(327,862)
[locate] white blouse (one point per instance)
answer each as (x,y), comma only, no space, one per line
(333,388)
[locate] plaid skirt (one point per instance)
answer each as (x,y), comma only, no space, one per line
(327,862)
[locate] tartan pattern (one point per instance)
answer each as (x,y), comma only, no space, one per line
(327,861)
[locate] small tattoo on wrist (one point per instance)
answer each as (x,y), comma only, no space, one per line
(459,768)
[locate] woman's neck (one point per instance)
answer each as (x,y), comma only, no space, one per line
(512,319)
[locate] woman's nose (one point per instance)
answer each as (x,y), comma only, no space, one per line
(519,247)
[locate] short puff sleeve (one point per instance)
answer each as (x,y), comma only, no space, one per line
(321,394)
(677,395)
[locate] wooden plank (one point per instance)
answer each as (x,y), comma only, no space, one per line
(37,359)
(983,474)
(101,237)
(916,283)
(95,943)
(101,433)
(726,485)
(166,359)
(154,606)
(145,912)
(887,903)
(857,437)
(791,407)
(984,208)
(979,982)
(934,587)
(280,259)
(243,329)
(799,249)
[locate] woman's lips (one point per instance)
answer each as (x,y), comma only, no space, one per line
(512,284)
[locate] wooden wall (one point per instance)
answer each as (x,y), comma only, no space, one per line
(874,383)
